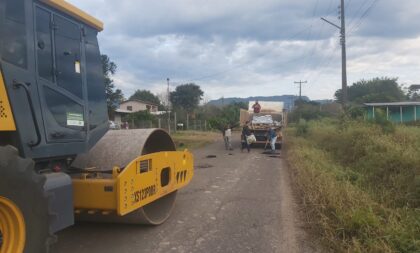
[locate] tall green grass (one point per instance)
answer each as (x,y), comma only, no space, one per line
(361,184)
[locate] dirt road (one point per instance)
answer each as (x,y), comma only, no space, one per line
(236,203)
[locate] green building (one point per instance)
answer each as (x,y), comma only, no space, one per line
(398,112)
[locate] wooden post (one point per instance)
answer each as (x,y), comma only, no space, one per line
(169,122)
(284,118)
(175,122)
(188,123)
(401,114)
(159,123)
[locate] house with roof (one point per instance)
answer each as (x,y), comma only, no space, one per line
(397,112)
(132,106)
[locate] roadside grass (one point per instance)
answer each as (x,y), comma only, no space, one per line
(193,139)
(360,185)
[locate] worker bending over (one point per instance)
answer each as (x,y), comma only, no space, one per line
(272,136)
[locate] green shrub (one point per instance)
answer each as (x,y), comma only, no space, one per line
(302,128)
(382,121)
(362,183)
(356,112)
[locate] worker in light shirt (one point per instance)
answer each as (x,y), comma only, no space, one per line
(228,138)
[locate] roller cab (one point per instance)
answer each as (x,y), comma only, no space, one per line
(58,161)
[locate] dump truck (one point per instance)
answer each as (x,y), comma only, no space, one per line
(58,161)
(271,115)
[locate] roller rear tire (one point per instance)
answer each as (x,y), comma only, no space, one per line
(21,191)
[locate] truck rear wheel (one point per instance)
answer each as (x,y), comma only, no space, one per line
(24,217)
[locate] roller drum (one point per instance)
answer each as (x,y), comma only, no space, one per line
(119,148)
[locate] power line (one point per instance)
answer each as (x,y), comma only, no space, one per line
(357,23)
(358,11)
(309,27)
(314,47)
(325,64)
(348,4)
(366,13)
(363,16)
(311,52)
(247,63)
(324,61)
(276,67)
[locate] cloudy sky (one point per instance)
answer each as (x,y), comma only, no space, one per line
(256,47)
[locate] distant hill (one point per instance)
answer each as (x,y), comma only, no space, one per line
(287,99)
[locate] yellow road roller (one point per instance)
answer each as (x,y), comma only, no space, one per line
(58,161)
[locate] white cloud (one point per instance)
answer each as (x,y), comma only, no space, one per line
(243,48)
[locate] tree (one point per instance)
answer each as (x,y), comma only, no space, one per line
(241,105)
(383,89)
(147,96)
(227,115)
(141,116)
(113,96)
(307,110)
(186,96)
(413,93)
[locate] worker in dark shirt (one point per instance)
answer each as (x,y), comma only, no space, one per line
(245,133)
(256,107)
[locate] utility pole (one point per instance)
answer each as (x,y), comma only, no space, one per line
(343,52)
(168,107)
(167,94)
(300,88)
(343,55)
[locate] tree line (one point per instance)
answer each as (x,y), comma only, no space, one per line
(185,100)
(375,90)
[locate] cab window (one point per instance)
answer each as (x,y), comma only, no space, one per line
(44,44)
(67,54)
(98,114)
(14,48)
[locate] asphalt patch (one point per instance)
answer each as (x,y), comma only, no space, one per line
(270,153)
(204,166)
(211,156)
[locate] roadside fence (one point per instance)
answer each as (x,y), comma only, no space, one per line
(169,125)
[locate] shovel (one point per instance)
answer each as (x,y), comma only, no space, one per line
(265,146)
